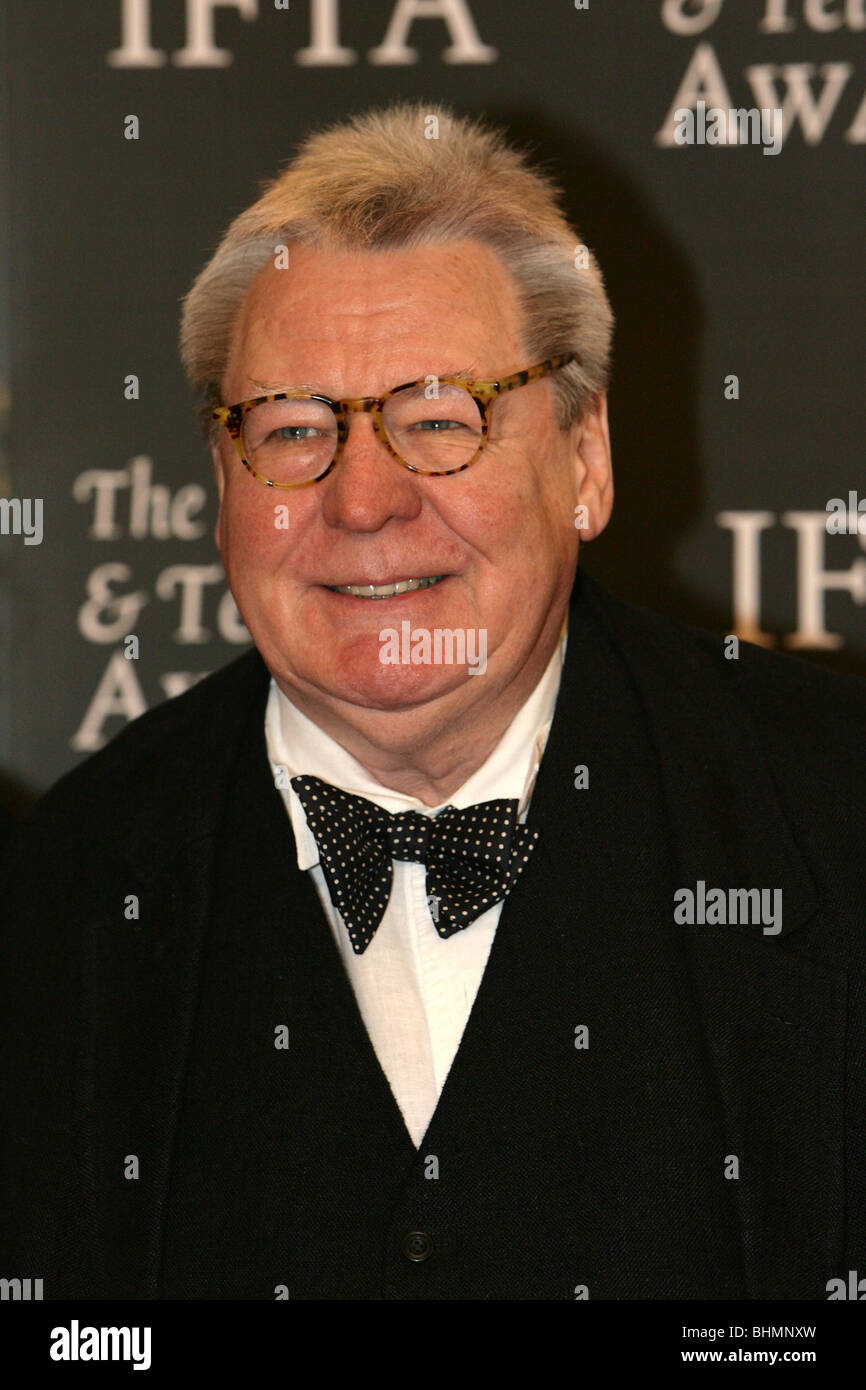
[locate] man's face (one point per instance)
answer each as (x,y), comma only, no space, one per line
(502,532)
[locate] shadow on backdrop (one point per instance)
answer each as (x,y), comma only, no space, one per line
(655,389)
(15,801)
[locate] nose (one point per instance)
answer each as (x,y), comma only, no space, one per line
(368,487)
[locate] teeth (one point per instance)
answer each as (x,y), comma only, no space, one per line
(403,586)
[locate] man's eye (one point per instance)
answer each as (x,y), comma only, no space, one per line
(438,425)
(293,433)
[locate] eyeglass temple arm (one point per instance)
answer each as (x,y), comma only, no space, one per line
(508,383)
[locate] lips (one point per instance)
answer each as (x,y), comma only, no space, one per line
(389,590)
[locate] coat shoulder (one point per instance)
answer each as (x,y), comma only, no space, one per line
(811,722)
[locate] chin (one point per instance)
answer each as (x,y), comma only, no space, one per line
(372,685)
(398,687)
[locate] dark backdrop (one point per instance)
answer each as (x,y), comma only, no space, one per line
(720,262)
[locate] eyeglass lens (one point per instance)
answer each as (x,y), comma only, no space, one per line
(435,427)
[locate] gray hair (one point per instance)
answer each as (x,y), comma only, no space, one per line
(378,182)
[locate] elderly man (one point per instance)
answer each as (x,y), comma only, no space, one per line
(477,935)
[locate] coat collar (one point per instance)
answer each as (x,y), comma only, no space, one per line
(727,825)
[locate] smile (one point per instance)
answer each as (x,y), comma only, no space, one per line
(402,586)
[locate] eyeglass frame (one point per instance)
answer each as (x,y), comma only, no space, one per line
(484,392)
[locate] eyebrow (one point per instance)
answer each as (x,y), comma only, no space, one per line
(284,386)
(462,373)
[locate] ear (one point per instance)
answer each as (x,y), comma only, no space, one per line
(593,469)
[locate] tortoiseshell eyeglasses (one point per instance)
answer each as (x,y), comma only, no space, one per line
(436,426)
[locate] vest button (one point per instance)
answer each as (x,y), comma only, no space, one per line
(417,1246)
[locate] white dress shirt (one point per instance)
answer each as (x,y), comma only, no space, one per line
(415,990)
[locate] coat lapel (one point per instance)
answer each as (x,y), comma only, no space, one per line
(140,990)
(605,1147)
(271,1137)
(774,1019)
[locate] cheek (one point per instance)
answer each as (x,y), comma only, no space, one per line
(490,510)
(519,510)
(550,510)
(255,528)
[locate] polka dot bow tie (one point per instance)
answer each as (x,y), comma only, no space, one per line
(473,857)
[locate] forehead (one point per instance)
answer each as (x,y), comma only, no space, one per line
(348,322)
